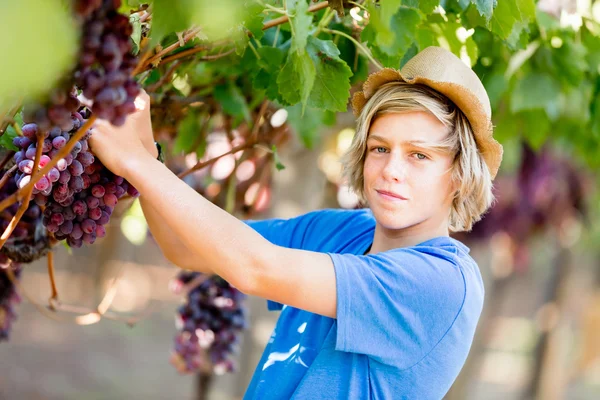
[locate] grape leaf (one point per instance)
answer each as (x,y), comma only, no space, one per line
(508,12)
(278,164)
(6,140)
(569,62)
(536,91)
(485,7)
(232,100)
(270,62)
(427,6)
(130,5)
(576,102)
(300,22)
(596,113)
(136,35)
(169,16)
(296,78)
(535,126)
(332,83)
(379,32)
(187,133)
(592,44)
(254,19)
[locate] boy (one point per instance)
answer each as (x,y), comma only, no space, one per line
(379,303)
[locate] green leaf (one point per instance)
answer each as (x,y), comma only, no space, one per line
(485,7)
(300,22)
(270,62)
(136,35)
(595,128)
(536,91)
(232,100)
(306,124)
(38,43)
(425,37)
(379,30)
(254,19)
(509,12)
(426,6)
(297,78)
(332,83)
(7,138)
(187,133)
(130,5)
(170,16)
(495,86)
(536,128)
(575,103)
(592,44)
(570,62)
(278,164)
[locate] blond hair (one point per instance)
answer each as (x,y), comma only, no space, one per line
(470,174)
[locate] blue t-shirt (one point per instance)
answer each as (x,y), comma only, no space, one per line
(405,317)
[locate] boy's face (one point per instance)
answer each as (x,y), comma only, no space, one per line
(407,185)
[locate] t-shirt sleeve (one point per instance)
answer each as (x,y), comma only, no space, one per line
(395,306)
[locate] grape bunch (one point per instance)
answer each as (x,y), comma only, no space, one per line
(79,193)
(103,71)
(210,323)
(9,298)
(29,240)
(105,60)
(546,191)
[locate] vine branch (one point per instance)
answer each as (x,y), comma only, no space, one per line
(285,18)
(201,164)
(27,195)
(54,295)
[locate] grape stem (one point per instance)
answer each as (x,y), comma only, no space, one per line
(9,155)
(26,194)
(157,57)
(54,295)
(257,122)
(285,18)
(62,153)
(202,164)
(356,43)
(86,317)
(167,75)
(7,175)
(9,117)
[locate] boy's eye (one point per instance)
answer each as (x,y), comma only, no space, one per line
(380,149)
(421,156)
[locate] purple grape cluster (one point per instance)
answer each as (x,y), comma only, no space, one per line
(29,240)
(9,298)
(79,193)
(103,71)
(210,323)
(105,61)
(546,191)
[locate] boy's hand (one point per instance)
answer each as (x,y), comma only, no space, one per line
(116,146)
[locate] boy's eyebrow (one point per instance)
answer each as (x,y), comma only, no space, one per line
(411,142)
(442,147)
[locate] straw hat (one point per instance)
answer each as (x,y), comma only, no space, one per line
(441,70)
